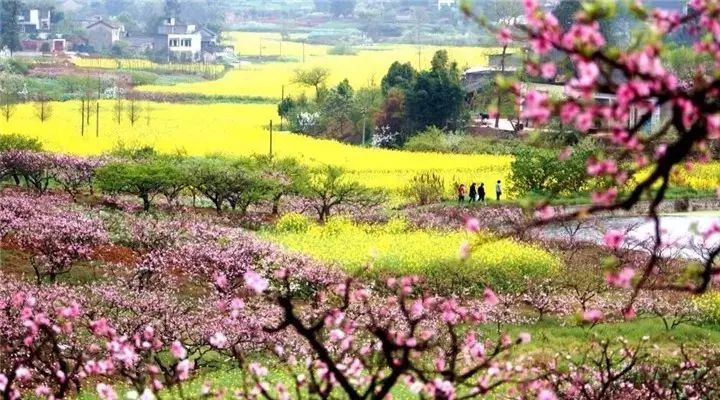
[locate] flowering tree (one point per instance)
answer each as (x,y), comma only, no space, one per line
(36,168)
(360,347)
(75,174)
(640,84)
(58,240)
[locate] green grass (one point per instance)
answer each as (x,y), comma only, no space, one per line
(548,338)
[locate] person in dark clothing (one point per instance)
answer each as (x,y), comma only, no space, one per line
(481,193)
(498,190)
(461,193)
(472,193)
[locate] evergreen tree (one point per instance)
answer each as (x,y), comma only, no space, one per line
(400,76)
(437,97)
(9,29)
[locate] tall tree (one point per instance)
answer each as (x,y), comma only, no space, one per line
(9,29)
(400,76)
(337,110)
(437,97)
(315,77)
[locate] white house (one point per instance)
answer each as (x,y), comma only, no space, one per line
(181,41)
(445,4)
(34,20)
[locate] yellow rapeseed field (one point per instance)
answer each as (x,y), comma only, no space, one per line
(241,129)
(366,68)
(141,64)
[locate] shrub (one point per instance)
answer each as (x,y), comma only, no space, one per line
(542,171)
(396,225)
(143,179)
(342,49)
(425,188)
(18,142)
(14,66)
(293,223)
(140,78)
(435,140)
(709,306)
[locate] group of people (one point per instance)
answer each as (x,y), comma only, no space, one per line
(477,193)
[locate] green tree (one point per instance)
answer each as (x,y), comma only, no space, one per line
(337,110)
(315,77)
(9,97)
(437,97)
(329,187)
(366,105)
(287,175)
(145,180)
(541,171)
(400,76)
(9,29)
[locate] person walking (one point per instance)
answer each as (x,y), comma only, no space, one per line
(498,190)
(472,193)
(461,193)
(481,193)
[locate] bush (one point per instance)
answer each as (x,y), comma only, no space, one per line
(425,188)
(342,49)
(542,171)
(18,142)
(143,179)
(293,223)
(14,66)
(436,141)
(140,78)
(709,306)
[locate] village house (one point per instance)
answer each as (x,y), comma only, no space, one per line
(103,34)
(178,41)
(34,20)
(657,117)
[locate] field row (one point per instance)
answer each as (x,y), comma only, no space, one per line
(364,68)
(240,129)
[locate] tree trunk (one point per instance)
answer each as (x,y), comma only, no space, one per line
(276,204)
(146,202)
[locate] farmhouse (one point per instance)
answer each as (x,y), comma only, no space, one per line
(179,41)
(103,34)
(34,20)
(657,117)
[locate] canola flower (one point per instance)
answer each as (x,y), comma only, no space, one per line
(241,130)
(395,249)
(699,176)
(141,64)
(365,68)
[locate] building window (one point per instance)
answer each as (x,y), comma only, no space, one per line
(186,42)
(173,43)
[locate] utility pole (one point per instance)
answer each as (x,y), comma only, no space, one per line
(97,119)
(364,111)
(271,139)
(282,100)
(97,109)
(82,116)
(363,131)
(303,46)
(417,36)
